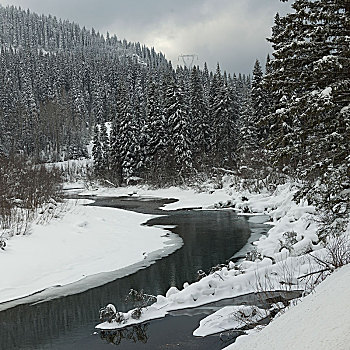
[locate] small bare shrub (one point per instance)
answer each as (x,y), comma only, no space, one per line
(338,253)
(288,240)
(140,300)
(253,255)
(24,187)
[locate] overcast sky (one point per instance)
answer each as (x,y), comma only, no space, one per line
(231,32)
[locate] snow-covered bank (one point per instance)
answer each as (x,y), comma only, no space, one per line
(86,241)
(186,197)
(278,261)
(90,246)
(320,321)
(227,319)
(287,258)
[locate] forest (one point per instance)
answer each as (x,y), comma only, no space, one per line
(60,84)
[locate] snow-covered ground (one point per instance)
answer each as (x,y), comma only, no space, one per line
(285,260)
(282,261)
(320,321)
(91,243)
(90,246)
(86,241)
(187,197)
(229,317)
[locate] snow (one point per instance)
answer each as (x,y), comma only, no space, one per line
(326,92)
(86,241)
(278,269)
(227,318)
(89,242)
(187,198)
(345,109)
(90,246)
(320,321)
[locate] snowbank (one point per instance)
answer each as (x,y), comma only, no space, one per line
(187,198)
(279,264)
(320,321)
(85,241)
(229,317)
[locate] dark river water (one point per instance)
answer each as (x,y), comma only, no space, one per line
(210,237)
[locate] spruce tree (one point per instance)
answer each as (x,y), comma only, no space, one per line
(97,153)
(309,81)
(199,119)
(180,130)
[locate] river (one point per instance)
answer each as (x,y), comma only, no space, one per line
(67,322)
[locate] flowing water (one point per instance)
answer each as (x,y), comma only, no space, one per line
(67,322)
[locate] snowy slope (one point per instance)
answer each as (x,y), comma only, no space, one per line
(320,321)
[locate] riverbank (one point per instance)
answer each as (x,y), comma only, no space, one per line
(320,321)
(285,259)
(86,241)
(277,261)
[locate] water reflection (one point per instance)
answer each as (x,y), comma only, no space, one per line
(210,237)
(134,334)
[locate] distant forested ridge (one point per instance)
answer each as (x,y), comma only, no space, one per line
(58,81)
(59,84)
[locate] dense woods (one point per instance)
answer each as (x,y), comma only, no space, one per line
(60,81)
(60,84)
(309,119)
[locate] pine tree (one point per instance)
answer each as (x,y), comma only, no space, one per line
(310,87)
(259,101)
(154,132)
(199,118)
(309,84)
(105,148)
(223,119)
(180,130)
(97,153)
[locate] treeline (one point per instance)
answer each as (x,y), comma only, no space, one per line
(182,122)
(308,124)
(57,80)
(60,84)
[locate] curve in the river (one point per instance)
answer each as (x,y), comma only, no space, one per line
(210,237)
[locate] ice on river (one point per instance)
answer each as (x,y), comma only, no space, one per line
(86,241)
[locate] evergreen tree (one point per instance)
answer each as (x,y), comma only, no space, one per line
(260,104)
(97,153)
(105,148)
(223,120)
(309,81)
(179,126)
(199,118)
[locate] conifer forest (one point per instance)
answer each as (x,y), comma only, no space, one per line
(60,83)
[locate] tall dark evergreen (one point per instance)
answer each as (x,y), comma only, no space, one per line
(259,100)
(199,115)
(309,79)
(97,153)
(179,126)
(223,119)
